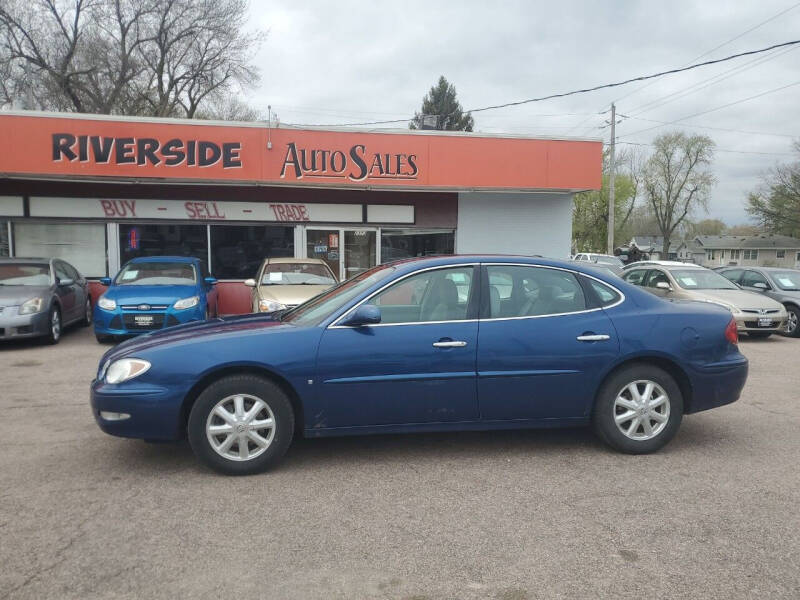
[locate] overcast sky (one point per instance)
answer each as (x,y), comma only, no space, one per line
(340,62)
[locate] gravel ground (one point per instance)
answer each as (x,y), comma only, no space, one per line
(507,515)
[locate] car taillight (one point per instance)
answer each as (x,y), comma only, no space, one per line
(732,332)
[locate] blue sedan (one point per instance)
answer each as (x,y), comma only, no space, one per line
(152,293)
(434,344)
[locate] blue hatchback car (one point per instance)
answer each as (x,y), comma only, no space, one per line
(152,293)
(435,344)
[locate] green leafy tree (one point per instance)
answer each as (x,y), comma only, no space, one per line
(676,181)
(775,205)
(441,110)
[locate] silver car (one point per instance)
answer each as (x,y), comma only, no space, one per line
(39,297)
(778,283)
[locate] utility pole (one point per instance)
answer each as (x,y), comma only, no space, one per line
(612,169)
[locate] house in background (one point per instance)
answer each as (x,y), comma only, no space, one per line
(764,250)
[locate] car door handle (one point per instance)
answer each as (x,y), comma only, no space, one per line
(453,344)
(594,337)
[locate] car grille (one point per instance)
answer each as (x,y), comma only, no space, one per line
(116,322)
(758,311)
(151,307)
(132,324)
(171,321)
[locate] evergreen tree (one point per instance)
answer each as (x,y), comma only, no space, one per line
(441,110)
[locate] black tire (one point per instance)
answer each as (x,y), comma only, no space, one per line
(54,333)
(249,385)
(605,410)
(87,314)
(759,335)
(103,338)
(795,313)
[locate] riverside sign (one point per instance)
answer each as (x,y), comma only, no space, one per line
(105,148)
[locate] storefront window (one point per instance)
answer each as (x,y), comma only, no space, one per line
(4,245)
(407,243)
(238,250)
(83,245)
(162,240)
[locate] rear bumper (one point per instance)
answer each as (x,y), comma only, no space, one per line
(717,384)
(155,412)
(14,326)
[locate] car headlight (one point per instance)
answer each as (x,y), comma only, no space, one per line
(106,303)
(185,303)
(270,305)
(31,306)
(125,369)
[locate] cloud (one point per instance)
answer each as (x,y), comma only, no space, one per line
(339,62)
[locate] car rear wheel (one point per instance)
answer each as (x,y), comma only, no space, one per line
(241,424)
(638,409)
(54,332)
(759,335)
(792,330)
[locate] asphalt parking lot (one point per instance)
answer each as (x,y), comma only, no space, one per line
(507,515)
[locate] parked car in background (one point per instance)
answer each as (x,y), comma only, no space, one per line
(755,314)
(154,292)
(41,296)
(533,343)
(283,283)
(607,260)
(780,284)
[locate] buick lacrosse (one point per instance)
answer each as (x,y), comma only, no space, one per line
(434,344)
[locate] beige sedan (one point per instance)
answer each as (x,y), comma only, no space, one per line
(755,314)
(286,282)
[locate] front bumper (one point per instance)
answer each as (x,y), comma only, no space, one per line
(155,411)
(14,326)
(751,322)
(717,384)
(133,322)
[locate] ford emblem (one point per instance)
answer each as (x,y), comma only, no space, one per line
(144,307)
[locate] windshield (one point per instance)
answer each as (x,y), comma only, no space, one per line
(320,307)
(699,279)
(297,274)
(609,260)
(17,274)
(157,273)
(787,280)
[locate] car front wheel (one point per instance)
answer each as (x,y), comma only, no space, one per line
(638,409)
(241,424)
(54,332)
(792,330)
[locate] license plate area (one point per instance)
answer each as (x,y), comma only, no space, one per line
(762,322)
(143,319)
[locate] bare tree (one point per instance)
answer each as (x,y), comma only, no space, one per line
(675,180)
(141,57)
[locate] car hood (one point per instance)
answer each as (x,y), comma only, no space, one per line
(291,295)
(738,298)
(149,294)
(197,330)
(14,295)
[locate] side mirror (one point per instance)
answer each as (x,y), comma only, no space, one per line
(250,283)
(761,286)
(212,280)
(105,281)
(663,285)
(366,314)
(66,281)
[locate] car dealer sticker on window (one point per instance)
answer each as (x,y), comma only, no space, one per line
(275,276)
(785,282)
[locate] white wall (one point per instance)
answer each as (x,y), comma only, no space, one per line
(514,223)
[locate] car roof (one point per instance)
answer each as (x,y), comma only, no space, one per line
(662,263)
(176,259)
(288,259)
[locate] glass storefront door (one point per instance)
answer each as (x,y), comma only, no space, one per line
(348,252)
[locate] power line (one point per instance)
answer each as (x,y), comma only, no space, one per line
(719,149)
(715,48)
(786,135)
(580,91)
(710,110)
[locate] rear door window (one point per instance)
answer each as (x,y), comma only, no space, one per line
(636,276)
(534,291)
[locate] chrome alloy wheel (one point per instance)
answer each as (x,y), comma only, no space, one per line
(641,410)
(240,427)
(791,322)
(55,325)
(88,312)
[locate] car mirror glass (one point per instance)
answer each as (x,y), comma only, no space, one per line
(663,285)
(760,286)
(213,280)
(66,281)
(366,314)
(250,282)
(105,281)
